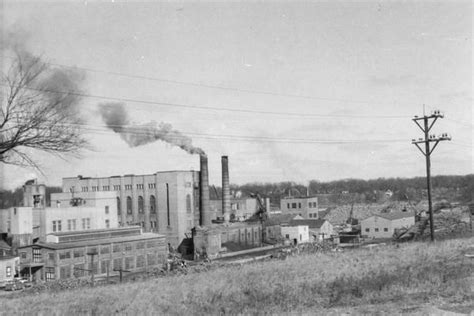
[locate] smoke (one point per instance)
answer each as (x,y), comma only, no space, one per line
(116,118)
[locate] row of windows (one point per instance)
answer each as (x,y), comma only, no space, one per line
(141,205)
(71,224)
(313,215)
(104,249)
(298,205)
(116,187)
(367,230)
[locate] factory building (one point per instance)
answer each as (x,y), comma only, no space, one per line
(77,253)
(306,207)
(164,202)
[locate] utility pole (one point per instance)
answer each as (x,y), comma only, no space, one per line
(428,122)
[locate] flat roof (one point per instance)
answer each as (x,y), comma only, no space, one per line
(298,198)
(95,242)
(129,175)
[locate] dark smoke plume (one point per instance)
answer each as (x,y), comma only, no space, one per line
(116,118)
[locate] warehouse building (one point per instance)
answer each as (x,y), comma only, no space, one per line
(383,225)
(67,254)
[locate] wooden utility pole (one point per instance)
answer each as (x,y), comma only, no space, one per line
(428,122)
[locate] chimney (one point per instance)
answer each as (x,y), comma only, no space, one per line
(204,192)
(225,189)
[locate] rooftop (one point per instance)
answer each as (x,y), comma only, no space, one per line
(311,223)
(129,175)
(95,242)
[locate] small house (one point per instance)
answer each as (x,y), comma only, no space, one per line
(383,225)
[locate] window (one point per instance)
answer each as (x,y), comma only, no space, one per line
(73,224)
(106,209)
(9,272)
(104,250)
(64,272)
(141,245)
(128,187)
(310,215)
(143,224)
(79,270)
(152,204)
(140,261)
(293,205)
(376,230)
(188,203)
(151,185)
(49,274)
(36,255)
(301,237)
(117,187)
(23,255)
(288,205)
(128,247)
(106,188)
(151,244)
(78,253)
(59,226)
(64,255)
(118,263)
(88,222)
(71,189)
(367,230)
(117,248)
(287,236)
(151,258)
(83,223)
(140,186)
(85,189)
(95,188)
(129,205)
(69,224)
(55,227)
(385,229)
(104,266)
(299,205)
(107,223)
(129,264)
(140,204)
(119,209)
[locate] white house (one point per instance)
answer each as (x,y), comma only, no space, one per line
(8,268)
(296,234)
(319,229)
(383,225)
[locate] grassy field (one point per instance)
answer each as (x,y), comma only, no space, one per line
(400,278)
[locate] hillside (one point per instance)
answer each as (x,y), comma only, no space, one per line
(409,278)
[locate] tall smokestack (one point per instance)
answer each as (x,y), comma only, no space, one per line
(225,189)
(204,187)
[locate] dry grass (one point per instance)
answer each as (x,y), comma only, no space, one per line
(416,273)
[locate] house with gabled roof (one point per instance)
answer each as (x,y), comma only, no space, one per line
(383,225)
(319,229)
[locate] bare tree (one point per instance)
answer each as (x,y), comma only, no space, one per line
(39,110)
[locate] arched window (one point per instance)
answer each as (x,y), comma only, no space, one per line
(188,203)
(119,209)
(140,204)
(129,205)
(152,204)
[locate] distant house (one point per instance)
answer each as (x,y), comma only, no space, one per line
(319,229)
(295,233)
(383,225)
(8,268)
(274,223)
(5,249)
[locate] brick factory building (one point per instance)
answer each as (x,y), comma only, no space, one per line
(164,202)
(306,207)
(68,254)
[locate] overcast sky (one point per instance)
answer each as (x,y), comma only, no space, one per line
(352,73)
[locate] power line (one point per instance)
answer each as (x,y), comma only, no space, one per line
(194,84)
(294,114)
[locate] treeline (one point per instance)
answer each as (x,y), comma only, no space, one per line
(15,197)
(459,188)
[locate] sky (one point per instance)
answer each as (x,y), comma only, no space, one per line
(290,91)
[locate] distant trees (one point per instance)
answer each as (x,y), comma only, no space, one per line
(39,110)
